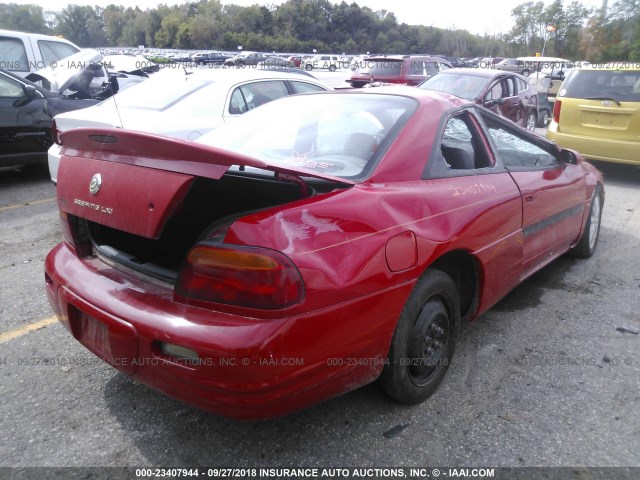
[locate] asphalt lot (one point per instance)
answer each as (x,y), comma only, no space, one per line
(549,377)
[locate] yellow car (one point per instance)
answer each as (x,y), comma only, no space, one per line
(597,112)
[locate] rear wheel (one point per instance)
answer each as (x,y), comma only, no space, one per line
(530,123)
(543,120)
(424,341)
(308,67)
(589,240)
(332,68)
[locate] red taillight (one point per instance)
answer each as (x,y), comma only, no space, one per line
(55,133)
(74,232)
(242,276)
(65,226)
(556,111)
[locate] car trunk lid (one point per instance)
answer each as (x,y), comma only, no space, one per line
(134,181)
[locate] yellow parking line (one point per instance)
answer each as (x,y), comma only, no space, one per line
(37,202)
(18,332)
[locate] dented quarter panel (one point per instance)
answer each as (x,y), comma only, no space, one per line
(342,253)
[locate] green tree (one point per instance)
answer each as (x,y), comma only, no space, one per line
(26,18)
(82,25)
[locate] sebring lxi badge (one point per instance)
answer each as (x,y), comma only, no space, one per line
(95,184)
(94,187)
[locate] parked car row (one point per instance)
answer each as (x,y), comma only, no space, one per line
(183,104)
(28,105)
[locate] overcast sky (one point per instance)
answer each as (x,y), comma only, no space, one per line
(478,17)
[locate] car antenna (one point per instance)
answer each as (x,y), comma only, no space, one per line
(117,111)
(114,86)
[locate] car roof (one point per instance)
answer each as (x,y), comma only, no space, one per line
(235,75)
(478,72)
(543,59)
(405,57)
(425,97)
(35,36)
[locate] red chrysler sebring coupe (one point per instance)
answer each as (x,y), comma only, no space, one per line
(312,246)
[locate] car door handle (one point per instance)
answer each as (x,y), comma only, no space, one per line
(30,134)
(529,197)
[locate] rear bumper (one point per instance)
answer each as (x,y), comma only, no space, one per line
(246,368)
(597,148)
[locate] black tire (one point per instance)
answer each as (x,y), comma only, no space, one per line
(530,122)
(543,119)
(424,340)
(525,73)
(332,68)
(588,242)
(308,67)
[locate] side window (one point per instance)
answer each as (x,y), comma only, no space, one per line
(522,85)
(431,68)
(303,87)
(237,105)
(516,150)
(259,93)
(53,51)
(509,87)
(9,88)
(460,145)
(416,68)
(13,56)
(495,92)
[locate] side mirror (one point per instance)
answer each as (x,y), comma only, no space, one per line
(113,82)
(570,157)
(30,94)
(491,103)
(30,91)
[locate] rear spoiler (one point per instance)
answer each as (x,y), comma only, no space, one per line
(168,154)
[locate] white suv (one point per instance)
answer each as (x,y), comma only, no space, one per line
(327,62)
(23,53)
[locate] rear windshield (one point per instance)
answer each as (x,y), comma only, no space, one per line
(619,85)
(336,135)
(154,94)
(463,85)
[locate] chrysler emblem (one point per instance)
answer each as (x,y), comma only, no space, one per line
(96,183)
(606,103)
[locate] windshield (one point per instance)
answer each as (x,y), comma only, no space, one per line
(337,135)
(461,85)
(620,85)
